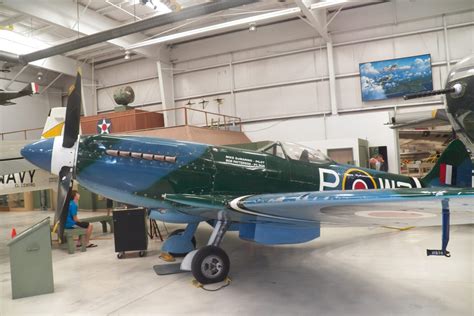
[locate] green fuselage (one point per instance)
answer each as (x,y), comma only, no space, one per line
(140,169)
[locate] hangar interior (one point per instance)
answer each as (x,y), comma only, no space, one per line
(295,71)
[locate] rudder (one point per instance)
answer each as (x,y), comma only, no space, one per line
(453,168)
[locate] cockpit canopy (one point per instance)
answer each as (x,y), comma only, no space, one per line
(296,152)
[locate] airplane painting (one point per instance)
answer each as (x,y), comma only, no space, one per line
(278,194)
(6,96)
(395,77)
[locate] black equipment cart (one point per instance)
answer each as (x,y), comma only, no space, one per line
(130,231)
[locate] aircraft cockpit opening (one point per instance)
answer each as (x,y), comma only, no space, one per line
(296,152)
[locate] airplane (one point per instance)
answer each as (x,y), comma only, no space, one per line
(6,96)
(390,68)
(279,193)
(384,79)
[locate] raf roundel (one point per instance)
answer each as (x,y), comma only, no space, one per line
(104,126)
(356,179)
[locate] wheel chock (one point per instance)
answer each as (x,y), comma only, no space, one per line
(402,229)
(222,285)
(166,257)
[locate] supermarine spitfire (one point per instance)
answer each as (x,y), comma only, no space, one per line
(277,194)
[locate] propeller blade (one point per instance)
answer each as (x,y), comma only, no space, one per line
(73,114)
(64,195)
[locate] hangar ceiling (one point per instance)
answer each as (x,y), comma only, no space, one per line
(57,22)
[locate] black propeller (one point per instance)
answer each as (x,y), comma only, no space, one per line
(73,114)
(71,133)
(64,196)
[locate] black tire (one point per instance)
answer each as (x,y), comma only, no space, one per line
(210,265)
(120,255)
(180,232)
(142,253)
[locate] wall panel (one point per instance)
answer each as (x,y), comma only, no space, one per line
(201,82)
(278,101)
(275,70)
(461,42)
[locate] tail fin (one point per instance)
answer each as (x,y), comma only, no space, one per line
(54,123)
(31,88)
(454,168)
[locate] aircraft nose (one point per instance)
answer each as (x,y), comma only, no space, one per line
(39,153)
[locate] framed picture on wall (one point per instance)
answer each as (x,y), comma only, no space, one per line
(395,77)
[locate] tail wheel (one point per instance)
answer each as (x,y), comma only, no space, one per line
(210,265)
(180,232)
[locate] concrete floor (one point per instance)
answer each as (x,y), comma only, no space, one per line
(357,271)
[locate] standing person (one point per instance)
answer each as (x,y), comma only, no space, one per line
(72,220)
(374,162)
(383,165)
(110,206)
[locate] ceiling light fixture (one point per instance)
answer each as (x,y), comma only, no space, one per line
(127,55)
(39,76)
(285,13)
(252,27)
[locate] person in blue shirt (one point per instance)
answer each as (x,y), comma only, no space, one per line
(72,220)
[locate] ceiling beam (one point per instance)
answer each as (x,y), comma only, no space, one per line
(15,43)
(317,19)
(116,33)
(63,14)
(14,19)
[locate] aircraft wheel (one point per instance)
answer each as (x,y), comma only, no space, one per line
(210,265)
(180,232)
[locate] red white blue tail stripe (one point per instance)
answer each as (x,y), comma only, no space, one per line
(447,174)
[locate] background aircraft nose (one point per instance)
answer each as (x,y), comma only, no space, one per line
(39,153)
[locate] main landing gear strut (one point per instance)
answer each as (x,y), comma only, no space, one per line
(445,238)
(210,264)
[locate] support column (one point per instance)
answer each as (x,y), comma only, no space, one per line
(332,77)
(88,95)
(165,76)
(28,200)
(446,44)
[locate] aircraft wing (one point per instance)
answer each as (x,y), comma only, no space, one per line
(11,161)
(424,119)
(17,174)
(391,207)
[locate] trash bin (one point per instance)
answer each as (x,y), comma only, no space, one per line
(31,262)
(130,231)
